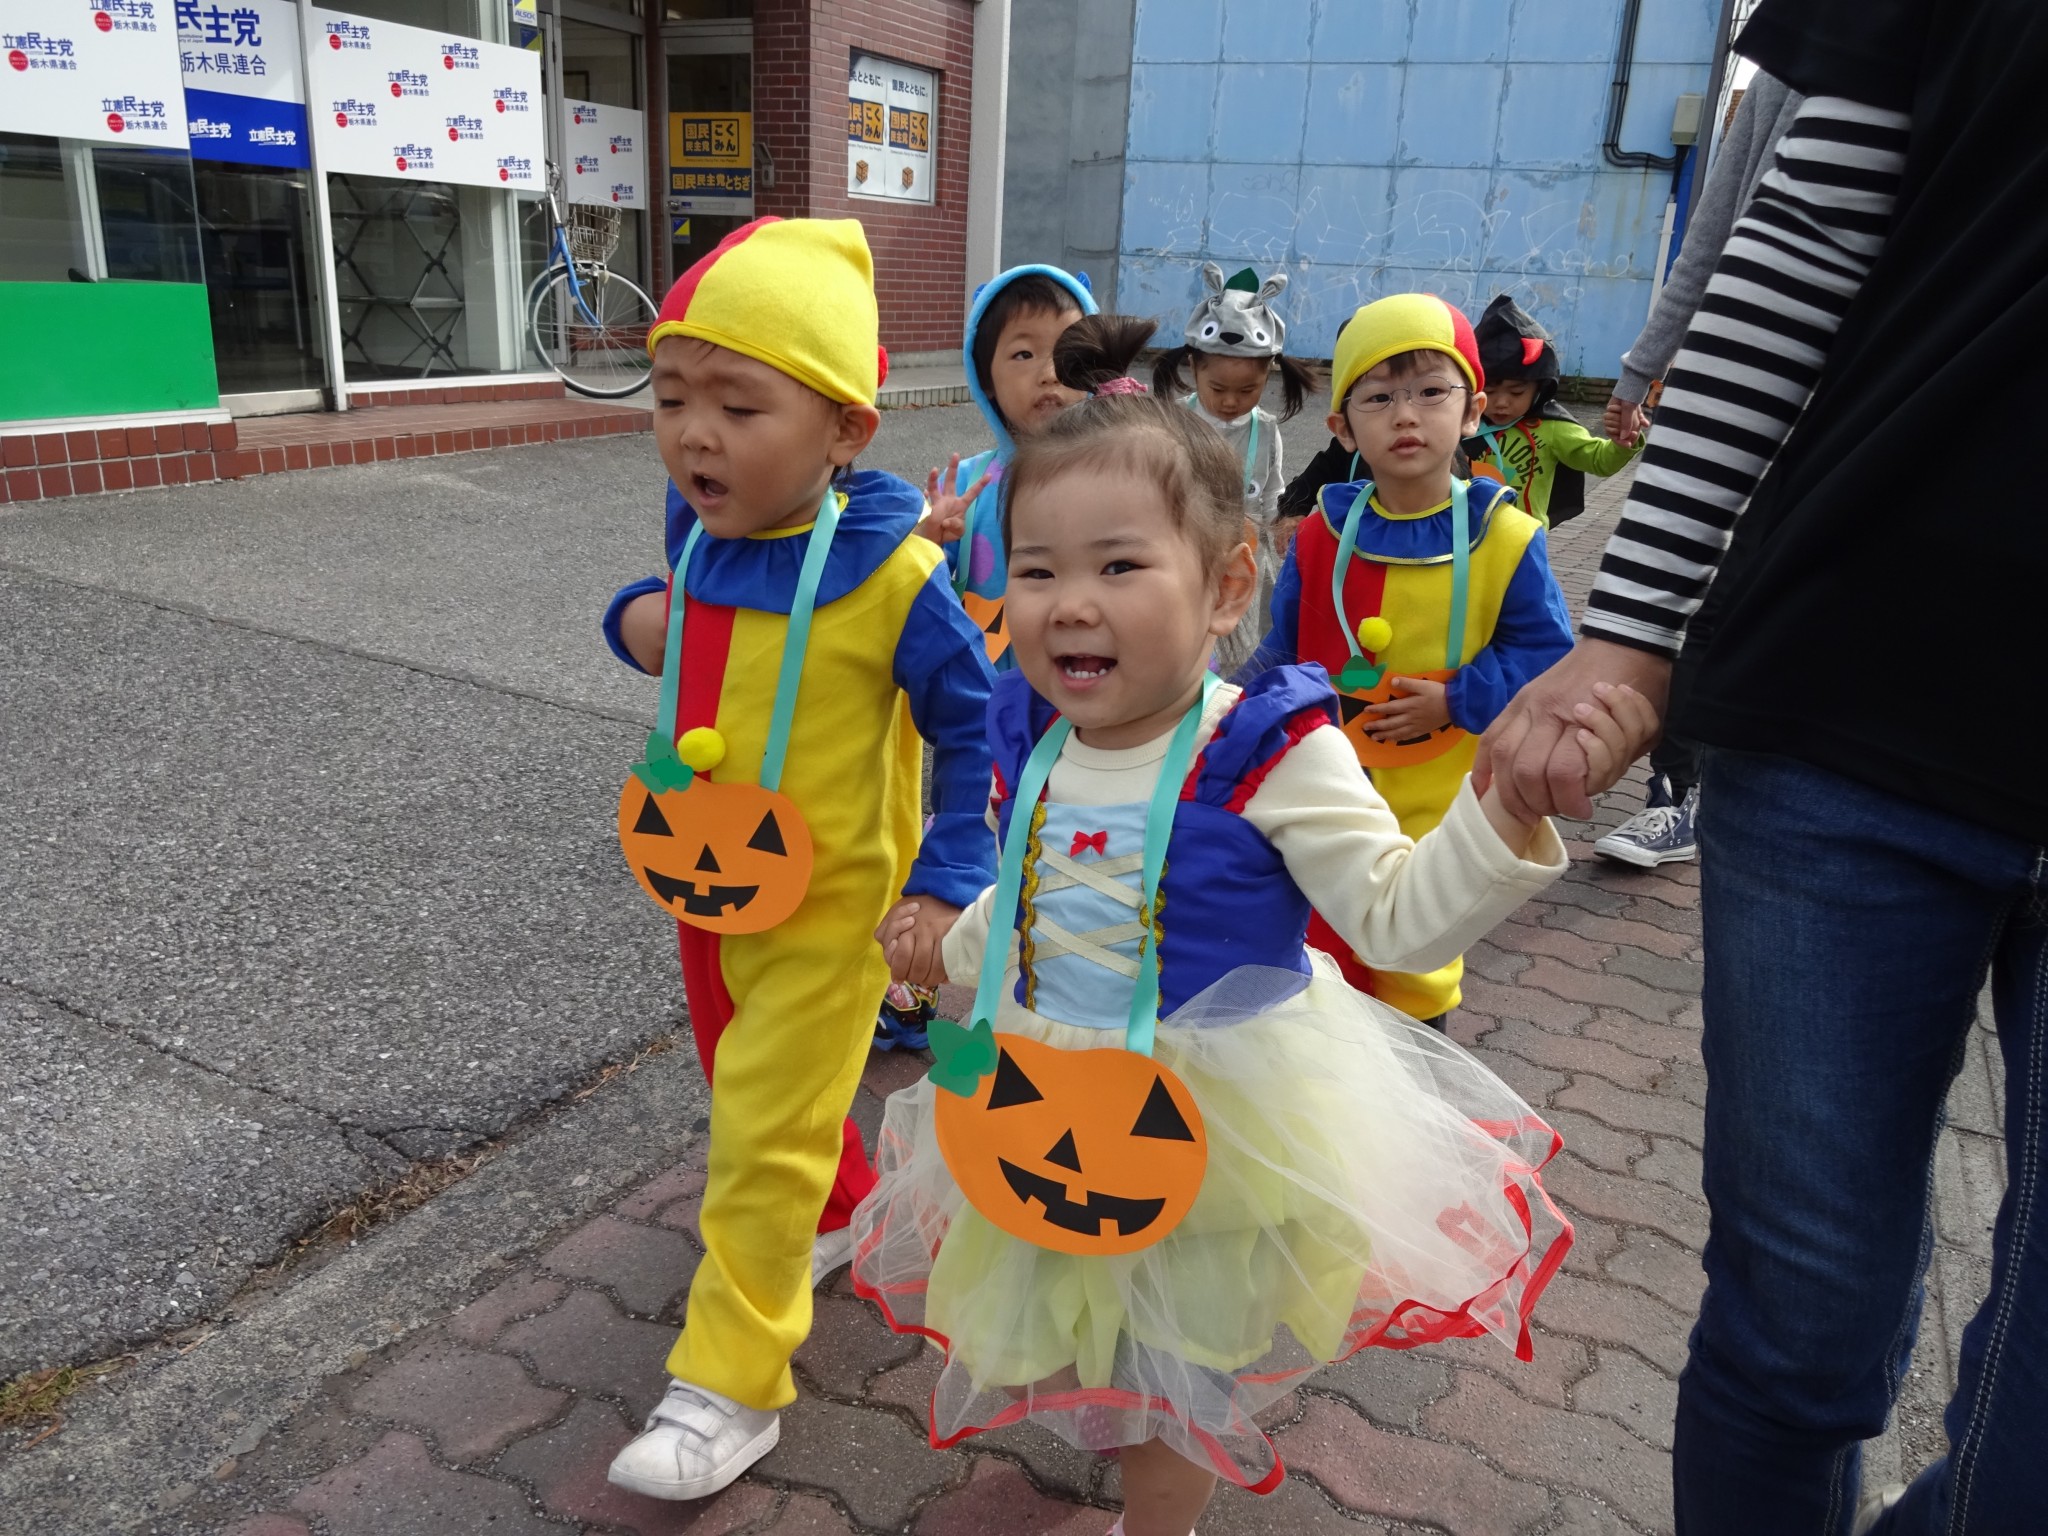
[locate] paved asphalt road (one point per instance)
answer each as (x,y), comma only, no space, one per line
(306,859)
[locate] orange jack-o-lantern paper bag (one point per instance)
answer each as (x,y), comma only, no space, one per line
(732,858)
(1083,1152)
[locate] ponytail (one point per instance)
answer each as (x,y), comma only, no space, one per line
(1098,348)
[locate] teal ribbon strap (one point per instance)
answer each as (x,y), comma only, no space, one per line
(1144,1019)
(1251,445)
(672,649)
(795,641)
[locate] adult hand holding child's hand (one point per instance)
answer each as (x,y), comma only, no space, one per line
(912,936)
(1533,752)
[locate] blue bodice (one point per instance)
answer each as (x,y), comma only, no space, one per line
(1226,899)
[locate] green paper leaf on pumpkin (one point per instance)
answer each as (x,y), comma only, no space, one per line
(1358,675)
(962,1057)
(661,770)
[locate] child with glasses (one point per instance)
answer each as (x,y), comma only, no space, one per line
(1428,597)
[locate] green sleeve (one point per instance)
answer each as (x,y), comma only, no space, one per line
(1575,448)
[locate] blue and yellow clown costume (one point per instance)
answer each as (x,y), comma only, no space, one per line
(1516,620)
(980,574)
(783,1018)
(1367,1183)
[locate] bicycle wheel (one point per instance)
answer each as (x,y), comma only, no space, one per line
(593,331)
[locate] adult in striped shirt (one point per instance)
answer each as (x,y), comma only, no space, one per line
(1849,582)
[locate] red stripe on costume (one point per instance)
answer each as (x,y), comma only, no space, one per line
(676,306)
(1318,634)
(707,643)
(1297,728)
(707,648)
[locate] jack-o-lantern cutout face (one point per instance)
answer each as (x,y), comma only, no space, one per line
(1083,1152)
(733,858)
(1374,753)
(987,612)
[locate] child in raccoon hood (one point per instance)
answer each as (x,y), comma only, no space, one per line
(1233,342)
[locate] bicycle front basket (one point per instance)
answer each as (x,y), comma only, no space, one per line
(593,232)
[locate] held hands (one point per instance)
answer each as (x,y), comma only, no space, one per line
(1623,420)
(911,936)
(1419,707)
(1612,730)
(947,519)
(1536,754)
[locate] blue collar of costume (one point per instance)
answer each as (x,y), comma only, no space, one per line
(879,513)
(1413,540)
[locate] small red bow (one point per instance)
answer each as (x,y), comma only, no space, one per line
(1099,841)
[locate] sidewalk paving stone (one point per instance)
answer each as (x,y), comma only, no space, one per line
(472,1404)
(504,1304)
(585,1345)
(1400,1477)
(647,1268)
(397,1490)
(1557,1447)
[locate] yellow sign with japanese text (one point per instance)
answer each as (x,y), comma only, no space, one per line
(710,140)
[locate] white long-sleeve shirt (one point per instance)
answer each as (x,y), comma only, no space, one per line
(1402,905)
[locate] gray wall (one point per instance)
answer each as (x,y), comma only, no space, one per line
(1063,177)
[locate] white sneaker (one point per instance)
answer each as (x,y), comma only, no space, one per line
(695,1443)
(832,1250)
(1873,1505)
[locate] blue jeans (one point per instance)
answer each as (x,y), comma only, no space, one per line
(1848,933)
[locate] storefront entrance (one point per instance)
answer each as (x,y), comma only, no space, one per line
(712,164)
(257,246)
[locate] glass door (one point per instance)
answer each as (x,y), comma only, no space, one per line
(710,139)
(256,241)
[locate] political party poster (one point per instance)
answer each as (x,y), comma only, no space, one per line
(891,122)
(244,99)
(101,70)
(606,151)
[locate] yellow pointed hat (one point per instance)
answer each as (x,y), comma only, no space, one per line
(796,294)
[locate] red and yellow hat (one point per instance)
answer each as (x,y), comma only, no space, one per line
(1403,322)
(796,294)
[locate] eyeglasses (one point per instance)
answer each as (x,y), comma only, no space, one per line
(1428,396)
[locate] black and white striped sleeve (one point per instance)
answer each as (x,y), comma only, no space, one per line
(1749,363)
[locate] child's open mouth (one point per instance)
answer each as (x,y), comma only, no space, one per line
(704,489)
(1085,671)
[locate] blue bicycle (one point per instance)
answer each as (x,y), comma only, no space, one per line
(588,323)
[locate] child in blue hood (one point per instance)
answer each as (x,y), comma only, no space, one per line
(1007,351)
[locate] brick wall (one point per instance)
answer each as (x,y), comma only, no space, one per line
(801,52)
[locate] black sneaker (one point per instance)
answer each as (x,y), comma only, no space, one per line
(1660,833)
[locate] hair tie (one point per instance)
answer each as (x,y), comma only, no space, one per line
(1125,385)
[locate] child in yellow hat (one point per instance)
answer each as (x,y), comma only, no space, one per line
(804,642)
(1429,598)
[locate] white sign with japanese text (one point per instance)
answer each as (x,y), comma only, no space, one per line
(606,152)
(892,118)
(397,101)
(102,70)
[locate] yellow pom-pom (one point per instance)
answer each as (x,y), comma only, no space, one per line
(701,749)
(1375,634)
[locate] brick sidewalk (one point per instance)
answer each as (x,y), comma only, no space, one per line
(503,1417)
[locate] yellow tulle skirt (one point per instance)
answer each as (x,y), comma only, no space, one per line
(1369,1184)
